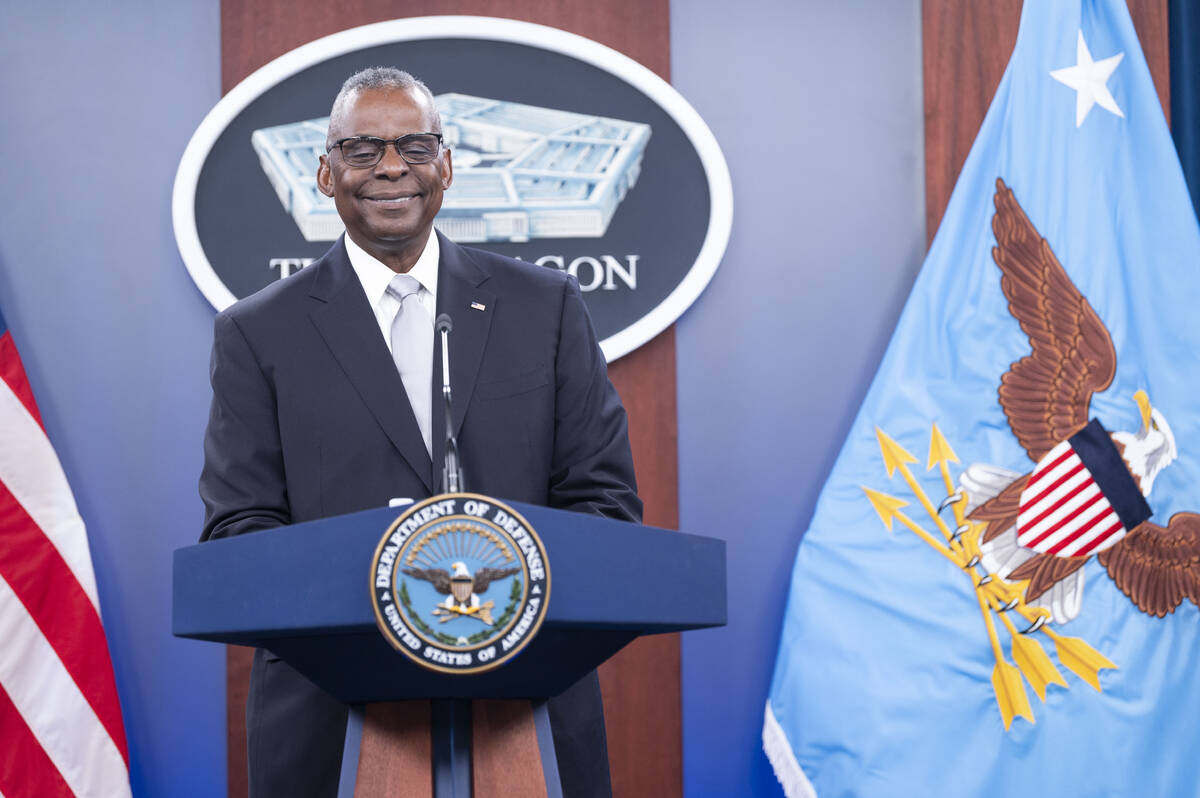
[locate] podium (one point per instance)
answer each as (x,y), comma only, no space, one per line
(304,592)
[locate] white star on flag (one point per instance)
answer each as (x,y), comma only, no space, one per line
(1089,79)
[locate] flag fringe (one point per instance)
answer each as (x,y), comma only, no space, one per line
(779,751)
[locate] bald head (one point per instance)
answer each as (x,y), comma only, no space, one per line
(377,79)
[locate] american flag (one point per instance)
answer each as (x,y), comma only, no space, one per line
(61,732)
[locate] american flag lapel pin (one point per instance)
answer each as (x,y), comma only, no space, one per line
(477,306)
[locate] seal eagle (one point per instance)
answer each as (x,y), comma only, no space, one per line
(1046,396)
(460,587)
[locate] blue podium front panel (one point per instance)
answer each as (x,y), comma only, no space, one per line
(304,591)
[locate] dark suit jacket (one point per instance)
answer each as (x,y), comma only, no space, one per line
(310,419)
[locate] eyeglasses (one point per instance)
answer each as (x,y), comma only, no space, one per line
(361,152)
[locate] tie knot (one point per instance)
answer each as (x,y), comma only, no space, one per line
(403,286)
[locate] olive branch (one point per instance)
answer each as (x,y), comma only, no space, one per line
(441,637)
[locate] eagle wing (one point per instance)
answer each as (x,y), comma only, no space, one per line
(1046,394)
(1044,571)
(1158,567)
(485,576)
(439,577)
(1001,510)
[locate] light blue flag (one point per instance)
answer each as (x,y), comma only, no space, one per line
(1038,635)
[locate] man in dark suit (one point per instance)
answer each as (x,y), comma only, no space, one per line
(313,416)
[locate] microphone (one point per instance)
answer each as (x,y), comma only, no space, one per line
(452,475)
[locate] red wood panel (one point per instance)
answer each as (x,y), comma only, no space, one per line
(395,752)
(642,702)
(504,758)
(641,684)
(237,686)
(253,33)
(967,46)
(1150,18)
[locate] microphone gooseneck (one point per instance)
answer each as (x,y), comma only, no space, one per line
(452,475)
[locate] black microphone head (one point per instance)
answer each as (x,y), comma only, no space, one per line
(443,323)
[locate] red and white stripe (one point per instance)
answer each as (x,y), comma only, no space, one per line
(60,722)
(1063,511)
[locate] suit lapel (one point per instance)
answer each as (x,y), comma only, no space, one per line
(347,324)
(462,294)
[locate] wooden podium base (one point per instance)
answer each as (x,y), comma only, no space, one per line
(449,749)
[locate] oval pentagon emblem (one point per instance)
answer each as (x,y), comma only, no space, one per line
(566,154)
(460,583)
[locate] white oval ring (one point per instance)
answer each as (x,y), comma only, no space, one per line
(720,188)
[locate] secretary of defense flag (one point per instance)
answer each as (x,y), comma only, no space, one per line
(998,593)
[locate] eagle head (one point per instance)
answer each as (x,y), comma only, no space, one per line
(1151,448)
(460,570)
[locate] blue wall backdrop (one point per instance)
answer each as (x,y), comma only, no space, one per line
(98,102)
(818,109)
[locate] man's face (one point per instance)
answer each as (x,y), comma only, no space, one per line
(387,208)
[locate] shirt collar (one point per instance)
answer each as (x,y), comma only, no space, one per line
(375,276)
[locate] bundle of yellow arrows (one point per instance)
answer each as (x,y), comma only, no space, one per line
(996,596)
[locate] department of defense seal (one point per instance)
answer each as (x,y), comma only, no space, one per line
(460,583)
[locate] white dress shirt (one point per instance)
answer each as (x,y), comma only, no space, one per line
(375,278)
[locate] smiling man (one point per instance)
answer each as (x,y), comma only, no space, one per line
(387,196)
(323,389)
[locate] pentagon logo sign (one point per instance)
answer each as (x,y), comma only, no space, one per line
(460,583)
(566,154)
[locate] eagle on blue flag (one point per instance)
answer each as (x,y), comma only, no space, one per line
(1085,493)
(937,631)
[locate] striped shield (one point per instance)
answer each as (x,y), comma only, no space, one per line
(461,587)
(1080,499)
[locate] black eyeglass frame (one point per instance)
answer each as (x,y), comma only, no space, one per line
(383,145)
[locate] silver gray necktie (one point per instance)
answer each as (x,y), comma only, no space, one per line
(412,349)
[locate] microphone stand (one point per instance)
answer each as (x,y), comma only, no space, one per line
(450,720)
(452,475)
